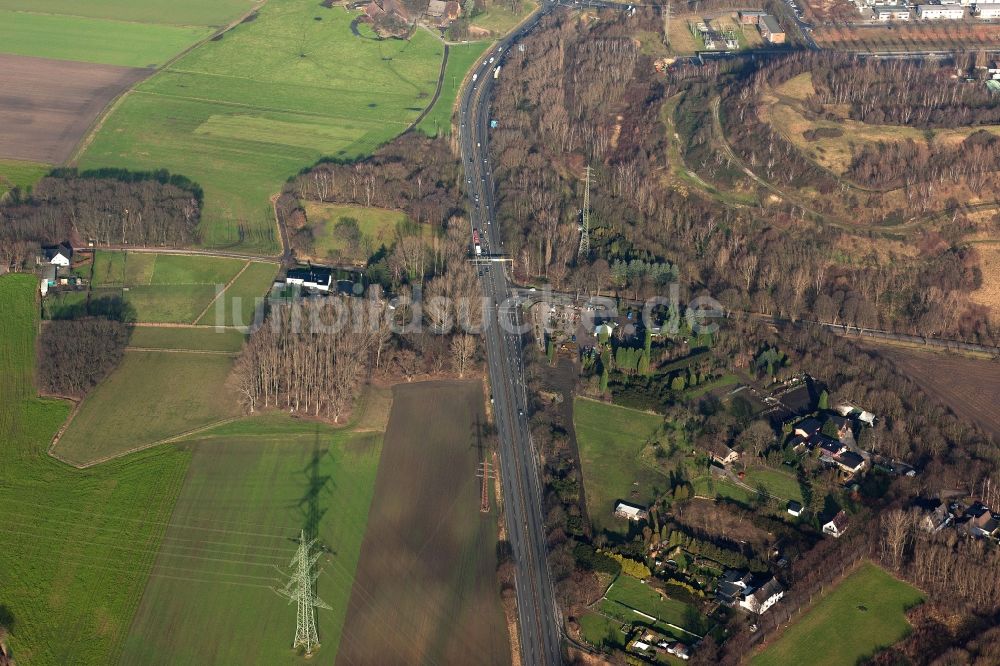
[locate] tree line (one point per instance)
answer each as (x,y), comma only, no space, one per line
(107,207)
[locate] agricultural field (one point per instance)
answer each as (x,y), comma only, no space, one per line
(627,594)
(461,58)
(865,612)
(425,590)
(242,114)
(98,41)
(151,396)
(833,143)
(49,105)
(201,339)
(968,386)
(14,173)
(182,289)
(376,227)
(610,439)
(253,485)
(76,553)
(216,13)
(240,302)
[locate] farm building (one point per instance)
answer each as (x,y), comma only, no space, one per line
(312,277)
(751,16)
(630,511)
(771,30)
(988,11)
(445,11)
(939,12)
(891,13)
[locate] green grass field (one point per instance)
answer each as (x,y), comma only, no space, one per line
(863,613)
(499,19)
(600,631)
(706,486)
(242,114)
(206,339)
(461,58)
(243,298)
(15,173)
(173,288)
(253,486)
(93,40)
(78,545)
(610,440)
(377,226)
(629,592)
(776,481)
(149,397)
(168,12)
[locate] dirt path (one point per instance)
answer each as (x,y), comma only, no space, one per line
(220,293)
(215,352)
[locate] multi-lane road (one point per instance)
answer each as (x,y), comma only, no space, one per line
(538,615)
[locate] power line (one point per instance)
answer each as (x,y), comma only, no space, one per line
(585,227)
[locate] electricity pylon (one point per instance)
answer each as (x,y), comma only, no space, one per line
(300,589)
(585,227)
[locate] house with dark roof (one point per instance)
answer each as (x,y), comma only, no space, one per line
(842,425)
(731,586)
(836,526)
(981,521)
(60,255)
(808,428)
(933,514)
(830,447)
(794,508)
(850,462)
(317,278)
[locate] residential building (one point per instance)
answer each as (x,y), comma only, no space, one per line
(988,11)
(630,511)
(940,12)
(794,508)
(720,453)
(891,13)
(934,515)
(808,428)
(831,447)
(680,650)
(851,462)
(836,526)
(981,521)
(771,30)
(58,255)
(316,278)
(763,597)
(731,586)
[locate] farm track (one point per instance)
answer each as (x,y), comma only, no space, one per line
(221,293)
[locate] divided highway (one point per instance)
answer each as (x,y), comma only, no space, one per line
(538,615)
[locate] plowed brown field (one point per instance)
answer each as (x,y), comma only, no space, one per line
(969,386)
(47,106)
(425,590)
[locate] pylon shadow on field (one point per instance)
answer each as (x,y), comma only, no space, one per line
(318,486)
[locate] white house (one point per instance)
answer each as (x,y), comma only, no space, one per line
(988,11)
(630,511)
(891,13)
(937,12)
(836,526)
(794,508)
(58,255)
(763,597)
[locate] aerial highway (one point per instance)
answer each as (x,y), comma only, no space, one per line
(538,614)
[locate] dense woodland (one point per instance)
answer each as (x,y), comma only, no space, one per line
(583,93)
(74,355)
(109,207)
